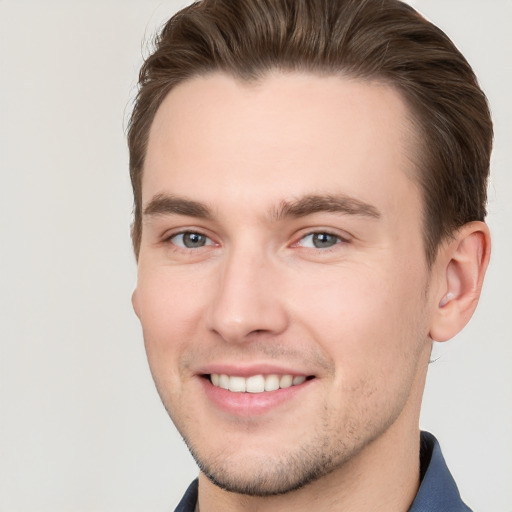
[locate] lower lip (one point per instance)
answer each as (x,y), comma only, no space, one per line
(251,404)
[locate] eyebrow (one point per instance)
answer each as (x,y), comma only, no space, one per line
(311,204)
(164,204)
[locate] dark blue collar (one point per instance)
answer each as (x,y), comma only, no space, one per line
(437,493)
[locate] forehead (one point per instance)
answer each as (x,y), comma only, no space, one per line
(223,140)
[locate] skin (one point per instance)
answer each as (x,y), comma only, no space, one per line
(267,165)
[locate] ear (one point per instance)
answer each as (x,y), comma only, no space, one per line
(135,302)
(461,265)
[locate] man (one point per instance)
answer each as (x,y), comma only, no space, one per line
(310,187)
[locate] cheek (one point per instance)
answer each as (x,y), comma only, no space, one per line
(170,311)
(170,301)
(370,322)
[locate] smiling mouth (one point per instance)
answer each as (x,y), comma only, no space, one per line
(255,383)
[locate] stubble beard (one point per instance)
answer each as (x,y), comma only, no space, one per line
(333,444)
(274,475)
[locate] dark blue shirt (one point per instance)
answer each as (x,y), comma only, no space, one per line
(437,493)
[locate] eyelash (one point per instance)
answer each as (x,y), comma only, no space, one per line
(339,240)
(169,239)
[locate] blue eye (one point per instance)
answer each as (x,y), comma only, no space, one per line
(190,240)
(319,240)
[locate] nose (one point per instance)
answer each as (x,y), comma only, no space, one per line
(248,301)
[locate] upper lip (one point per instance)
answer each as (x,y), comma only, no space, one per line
(247,370)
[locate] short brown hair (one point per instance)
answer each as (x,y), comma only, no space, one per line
(383,40)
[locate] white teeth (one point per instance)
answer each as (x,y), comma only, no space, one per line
(255,383)
(237,384)
(271,383)
(286,381)
(223,381)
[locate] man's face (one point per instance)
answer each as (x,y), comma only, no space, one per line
(282,250)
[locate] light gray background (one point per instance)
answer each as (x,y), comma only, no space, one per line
(81,426)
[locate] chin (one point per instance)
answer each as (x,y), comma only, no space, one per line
(263,481)
(267,475)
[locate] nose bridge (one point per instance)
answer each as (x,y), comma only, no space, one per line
(246,299)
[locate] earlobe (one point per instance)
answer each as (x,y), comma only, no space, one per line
(463,261)
(135,302)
